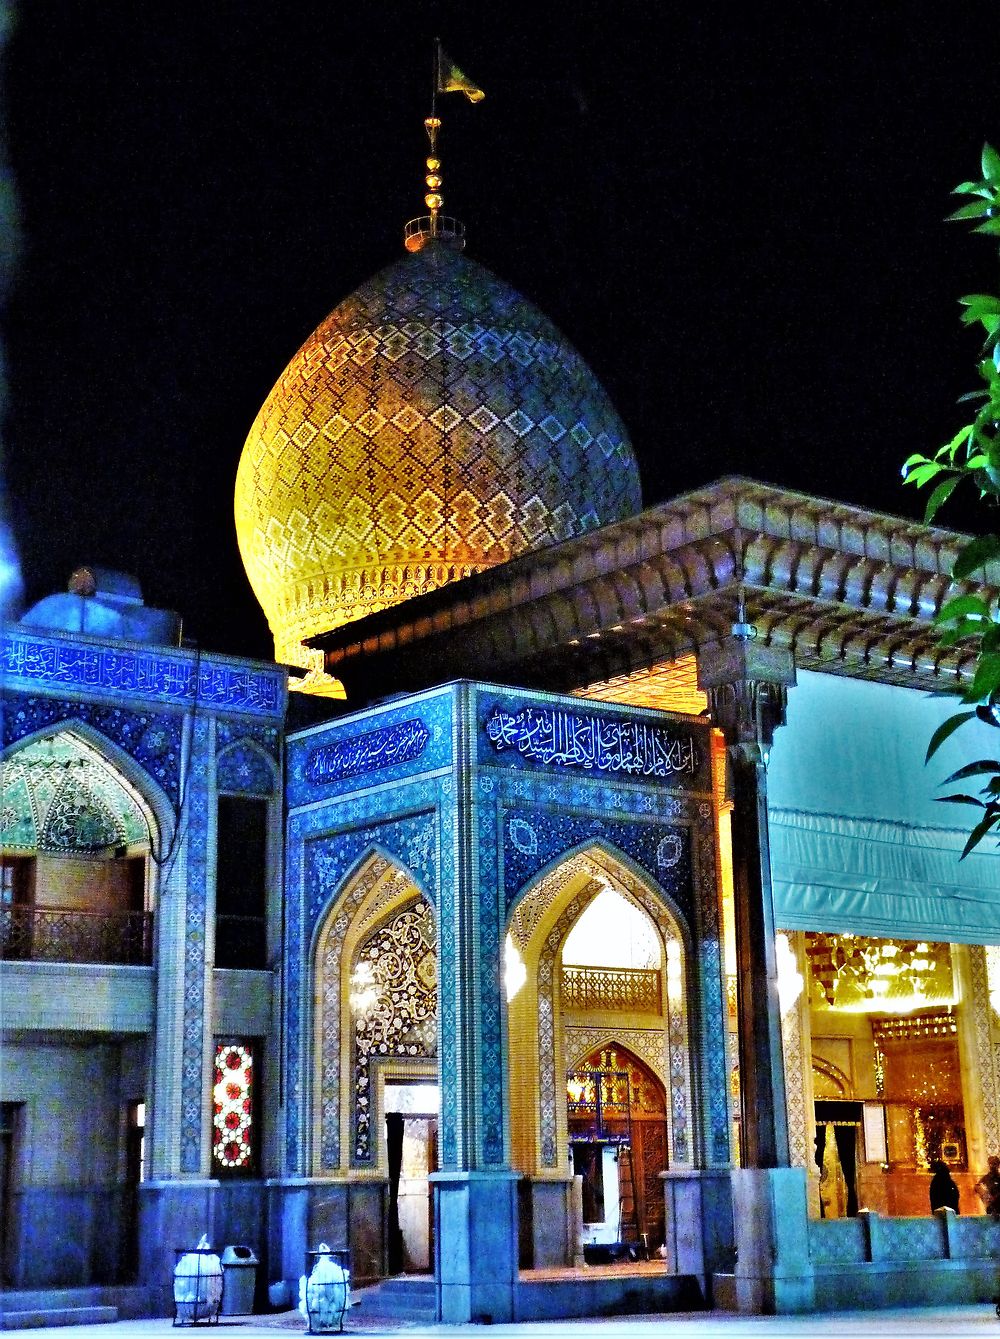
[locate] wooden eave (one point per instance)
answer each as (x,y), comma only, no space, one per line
(849,591)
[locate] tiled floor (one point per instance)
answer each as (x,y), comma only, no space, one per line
(916,1323)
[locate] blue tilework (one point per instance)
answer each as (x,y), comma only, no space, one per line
(152,738)
(325,845)
(543,732)
(182,678)
(432,711)
(241,769)
(267,736)
(194,1099)
(533,839)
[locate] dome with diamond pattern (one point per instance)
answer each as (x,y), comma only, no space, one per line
(436,423)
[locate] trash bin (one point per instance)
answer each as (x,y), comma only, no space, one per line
(325,1290)
(197,1285)
(239,1280)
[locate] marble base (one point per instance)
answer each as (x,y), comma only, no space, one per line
(475,1246)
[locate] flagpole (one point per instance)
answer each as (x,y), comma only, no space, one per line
(435,74)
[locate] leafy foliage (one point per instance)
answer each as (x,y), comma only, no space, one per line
(973,454)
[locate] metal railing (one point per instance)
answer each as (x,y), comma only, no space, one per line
(49,934)
(619,988)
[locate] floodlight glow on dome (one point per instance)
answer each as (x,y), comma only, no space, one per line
(435,424)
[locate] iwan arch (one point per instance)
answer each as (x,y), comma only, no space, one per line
(469,855)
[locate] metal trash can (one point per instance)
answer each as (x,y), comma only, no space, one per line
(197,1285)
(239,1280)
(325,1289)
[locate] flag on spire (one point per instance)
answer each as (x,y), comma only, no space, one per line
(451,79)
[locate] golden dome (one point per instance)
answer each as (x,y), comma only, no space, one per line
(436,423)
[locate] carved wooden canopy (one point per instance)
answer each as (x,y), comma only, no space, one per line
(849,591)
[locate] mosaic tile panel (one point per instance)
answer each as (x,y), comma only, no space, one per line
(152,738)
(242,769)
(434,424)
(795,1091)
(59,794)
(183,679)
(267,736)
(533,839)
(194,1098)
(347,831)
(837,1241)
(307,783)
(646,1043)
(988,1072)
(400,961)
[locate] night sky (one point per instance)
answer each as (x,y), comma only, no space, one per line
(735,216)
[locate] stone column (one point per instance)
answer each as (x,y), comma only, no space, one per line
(747,684)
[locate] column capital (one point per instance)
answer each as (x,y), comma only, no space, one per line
(747,684)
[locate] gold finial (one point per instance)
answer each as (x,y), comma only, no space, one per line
(437,226)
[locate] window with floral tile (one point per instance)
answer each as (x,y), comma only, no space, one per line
(234,1109)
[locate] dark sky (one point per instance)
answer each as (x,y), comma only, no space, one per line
(734,213)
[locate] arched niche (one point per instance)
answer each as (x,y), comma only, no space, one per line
(542,919)
(371,898)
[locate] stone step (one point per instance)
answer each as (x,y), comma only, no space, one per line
(409,1296)
(39,1318)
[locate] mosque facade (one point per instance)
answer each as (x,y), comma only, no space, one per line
(601,938)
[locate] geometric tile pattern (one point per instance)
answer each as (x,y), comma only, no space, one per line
(194,1099)
(244,769)
(436,423)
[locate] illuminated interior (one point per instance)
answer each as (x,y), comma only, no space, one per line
(612,932)
(887,1021)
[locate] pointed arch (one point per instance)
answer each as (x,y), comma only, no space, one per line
(543,914)
(151,799)
(376,886)
(245,768)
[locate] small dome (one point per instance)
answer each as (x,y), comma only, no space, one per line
(436,423)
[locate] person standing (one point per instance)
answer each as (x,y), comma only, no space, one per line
(988,1188)
(943,1190)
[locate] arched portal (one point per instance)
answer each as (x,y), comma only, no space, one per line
(618,1144)
(376,1089)
(566,1010)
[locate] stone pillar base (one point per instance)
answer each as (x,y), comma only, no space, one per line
(475,1245)
(699,1224)
(773,1274)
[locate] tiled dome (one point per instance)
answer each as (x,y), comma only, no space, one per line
(436,423)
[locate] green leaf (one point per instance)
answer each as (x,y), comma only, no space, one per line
(959,799)
(987,302)
(991,227)
(988,716)
(977,553)
(976,210)
(991,164)
(973,188)
(938,498)
(945,730)
(987,678)
(962,606)
(989,820)
(984,767)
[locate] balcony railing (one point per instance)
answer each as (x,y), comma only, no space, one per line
(49,934)
(618,988)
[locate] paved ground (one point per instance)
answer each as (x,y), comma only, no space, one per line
(916,1323)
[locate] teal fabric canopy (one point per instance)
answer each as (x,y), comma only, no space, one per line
(858,842)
